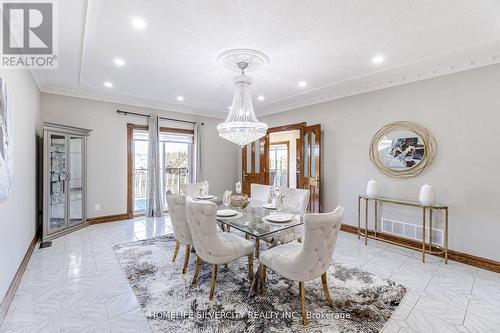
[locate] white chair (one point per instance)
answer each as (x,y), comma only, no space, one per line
(211,246)
(308,260)
(177,209)
(259,194)
(191,189)
(296,200)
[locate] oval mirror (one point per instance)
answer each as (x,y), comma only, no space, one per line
(402,149)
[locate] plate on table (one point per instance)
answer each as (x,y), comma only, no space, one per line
(269,206)
(226,213)
(280,218)
(204,197)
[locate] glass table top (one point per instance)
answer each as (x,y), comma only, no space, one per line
(251,222)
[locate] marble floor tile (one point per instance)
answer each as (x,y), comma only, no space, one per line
(121,304)
(477,324)
(78,285)
(441,310)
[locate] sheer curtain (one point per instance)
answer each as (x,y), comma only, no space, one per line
(196,176)
(154,196)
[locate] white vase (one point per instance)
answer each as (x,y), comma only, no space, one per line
(427,195)
(372,189)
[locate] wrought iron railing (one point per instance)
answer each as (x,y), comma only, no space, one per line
(173,178)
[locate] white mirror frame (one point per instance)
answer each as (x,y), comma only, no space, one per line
(430,150)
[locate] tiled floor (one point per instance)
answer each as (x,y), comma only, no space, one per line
(77,285)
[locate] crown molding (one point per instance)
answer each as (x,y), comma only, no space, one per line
(473,57)
(127,100)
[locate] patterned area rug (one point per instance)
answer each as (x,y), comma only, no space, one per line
(363,302)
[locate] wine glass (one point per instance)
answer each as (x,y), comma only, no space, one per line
(226,198)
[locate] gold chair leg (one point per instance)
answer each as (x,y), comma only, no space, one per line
(196,270)
(212,281)
(325,289)
(186,258)
(263,279)
(257,247)
(250,268)
(177,244)
(228,228)
(303,303)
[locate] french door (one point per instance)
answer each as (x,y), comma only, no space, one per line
(255,162)
(309,173)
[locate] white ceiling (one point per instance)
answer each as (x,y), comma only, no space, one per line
(329,44)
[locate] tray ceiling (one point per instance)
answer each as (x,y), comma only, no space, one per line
(328,44)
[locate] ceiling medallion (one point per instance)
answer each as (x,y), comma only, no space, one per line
(241,125)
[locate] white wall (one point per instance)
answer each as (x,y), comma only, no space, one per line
(107,148)
(291,137)
(461,110)
(18,212)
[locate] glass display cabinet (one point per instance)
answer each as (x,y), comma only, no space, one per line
(64,180)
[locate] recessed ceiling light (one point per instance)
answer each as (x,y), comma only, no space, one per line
(261,98)
(119,62)
(108,84)
(302,84)
(138,23)
(377,60)
(180,98)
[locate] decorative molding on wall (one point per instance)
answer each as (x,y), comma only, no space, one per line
(126,100)
(9,295)
(387,78)
(461,257)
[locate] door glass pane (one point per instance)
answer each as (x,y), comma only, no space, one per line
(249,158)
(278,165)
(140,146)
(75,180)
(175,164)
(257,156)
(57,182)
(305,153)
(313,158)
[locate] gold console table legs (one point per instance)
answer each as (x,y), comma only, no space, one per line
(378,234)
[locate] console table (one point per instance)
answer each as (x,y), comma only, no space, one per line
(374,234)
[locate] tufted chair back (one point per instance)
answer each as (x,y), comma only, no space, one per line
(260,192)
(191,189)
(295,199)
(201,217)
(320,235)
(177,209)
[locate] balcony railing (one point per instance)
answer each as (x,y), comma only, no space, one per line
(172,180)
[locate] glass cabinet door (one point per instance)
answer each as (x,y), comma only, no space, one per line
(57,182)
(75,180)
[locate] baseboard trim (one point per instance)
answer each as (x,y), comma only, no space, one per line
(461,257)
(109,218)
(9,295)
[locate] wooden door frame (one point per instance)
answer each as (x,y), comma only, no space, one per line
(130,160)
(285,128)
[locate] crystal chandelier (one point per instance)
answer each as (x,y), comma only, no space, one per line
(241,125)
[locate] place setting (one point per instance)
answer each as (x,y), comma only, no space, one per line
(227,213)
(203,194)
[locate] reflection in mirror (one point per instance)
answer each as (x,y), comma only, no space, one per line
(401,152)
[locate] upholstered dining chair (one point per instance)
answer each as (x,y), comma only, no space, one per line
(259,193)
(296,200)
(307,260)
(177,210)
(191,189)
(211,246)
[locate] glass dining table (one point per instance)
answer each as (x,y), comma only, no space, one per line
(249,220)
